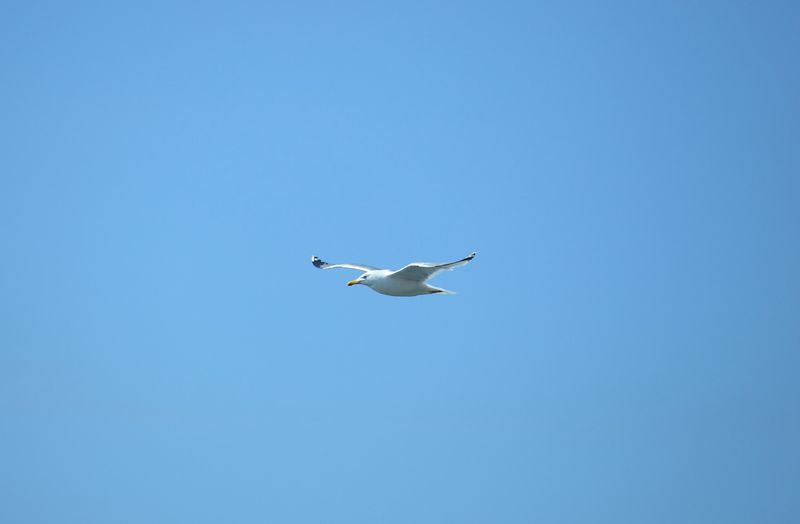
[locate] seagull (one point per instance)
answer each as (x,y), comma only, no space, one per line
(407,282)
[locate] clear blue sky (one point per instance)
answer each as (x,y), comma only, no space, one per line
(624,348)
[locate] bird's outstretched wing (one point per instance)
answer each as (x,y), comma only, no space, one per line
(422,271)
(324,265)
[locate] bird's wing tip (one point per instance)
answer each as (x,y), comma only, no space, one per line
(318,263)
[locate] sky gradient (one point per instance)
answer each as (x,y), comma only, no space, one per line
(625,347)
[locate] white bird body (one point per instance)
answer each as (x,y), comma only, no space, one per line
(382,282)
(406,282)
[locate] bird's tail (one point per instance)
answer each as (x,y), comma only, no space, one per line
(440,290)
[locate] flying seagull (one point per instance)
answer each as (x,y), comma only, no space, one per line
(406,282)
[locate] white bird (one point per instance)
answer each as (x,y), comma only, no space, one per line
(407,282)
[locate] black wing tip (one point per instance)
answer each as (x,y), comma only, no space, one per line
(471,256)
(318,263)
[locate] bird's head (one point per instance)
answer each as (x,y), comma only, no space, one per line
(363,279)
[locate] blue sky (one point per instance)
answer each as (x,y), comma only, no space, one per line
(624,348)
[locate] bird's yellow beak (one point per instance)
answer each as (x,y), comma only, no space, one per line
(352,282)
